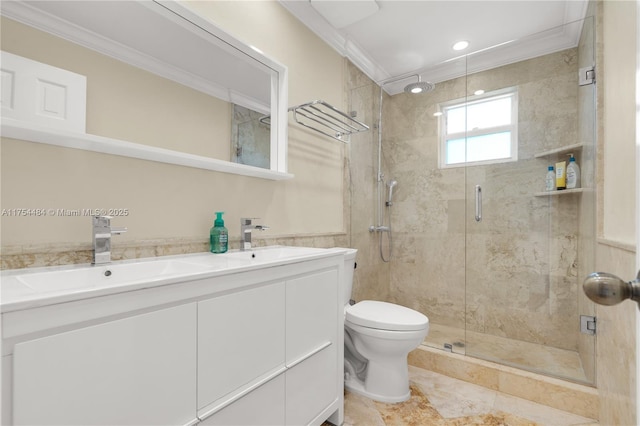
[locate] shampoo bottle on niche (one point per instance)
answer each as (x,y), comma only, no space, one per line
(218,235)
(550,180)
(573,173)
(561,175)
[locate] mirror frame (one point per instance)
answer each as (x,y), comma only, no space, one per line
(179,14)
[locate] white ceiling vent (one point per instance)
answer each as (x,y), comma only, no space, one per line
(341,14)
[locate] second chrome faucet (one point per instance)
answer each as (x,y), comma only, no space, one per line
(102,231)
(246,226)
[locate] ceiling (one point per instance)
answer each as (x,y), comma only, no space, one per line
(389,39)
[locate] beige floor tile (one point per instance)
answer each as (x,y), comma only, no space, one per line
(537,412)
(452,398)
(360,411)
(438,400)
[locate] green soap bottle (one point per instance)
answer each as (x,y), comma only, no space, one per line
(218,236)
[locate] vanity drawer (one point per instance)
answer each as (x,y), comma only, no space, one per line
(241,336)
(139,370)
(311,386)
(262,406)
(312,313)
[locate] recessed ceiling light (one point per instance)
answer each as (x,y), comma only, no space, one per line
(437,114)
(478,92)
(461,45)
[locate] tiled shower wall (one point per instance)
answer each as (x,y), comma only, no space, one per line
(515,274)
(371,278)
(521,260)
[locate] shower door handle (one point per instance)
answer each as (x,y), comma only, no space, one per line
(478,203)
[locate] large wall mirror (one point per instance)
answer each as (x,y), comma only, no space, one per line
(163,83)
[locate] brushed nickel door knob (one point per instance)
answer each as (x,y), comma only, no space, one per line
(607,289)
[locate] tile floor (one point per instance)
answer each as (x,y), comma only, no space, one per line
(530,356)
(443,401)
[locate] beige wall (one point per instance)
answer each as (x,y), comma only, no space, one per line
(619,121)
(616,342)
(173,205)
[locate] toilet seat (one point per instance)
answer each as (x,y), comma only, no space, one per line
(385,316)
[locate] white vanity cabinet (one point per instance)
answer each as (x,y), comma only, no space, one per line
(312,346)
(133,371)
(261,345)
(271,346)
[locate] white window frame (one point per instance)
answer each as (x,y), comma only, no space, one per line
(511,92)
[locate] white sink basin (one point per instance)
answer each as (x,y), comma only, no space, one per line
(258,256)
(107,275)
(23,288)
(267,254)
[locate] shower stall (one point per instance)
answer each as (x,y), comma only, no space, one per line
(494,260)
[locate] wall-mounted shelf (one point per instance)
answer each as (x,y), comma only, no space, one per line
(561,192)
(32,133)
(557,151)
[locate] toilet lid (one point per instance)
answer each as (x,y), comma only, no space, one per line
(385,316)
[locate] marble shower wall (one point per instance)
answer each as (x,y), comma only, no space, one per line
(428,215)
(371,278)
(520,263)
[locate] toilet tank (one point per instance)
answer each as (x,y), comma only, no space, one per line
(349,267)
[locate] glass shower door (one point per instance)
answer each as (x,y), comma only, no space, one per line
(526,249)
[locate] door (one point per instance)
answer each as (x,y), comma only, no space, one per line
(527,247)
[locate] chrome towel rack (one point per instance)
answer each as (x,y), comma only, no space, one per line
(326,119)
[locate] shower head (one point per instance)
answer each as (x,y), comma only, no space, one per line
(392,183)
(419,86)
(413,88)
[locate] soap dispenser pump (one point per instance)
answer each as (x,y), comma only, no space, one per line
(218,235)
(573,173)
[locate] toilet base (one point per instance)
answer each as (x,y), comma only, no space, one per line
(352,384)
(355,385)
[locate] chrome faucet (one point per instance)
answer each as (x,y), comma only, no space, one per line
(246,226)
(102,231)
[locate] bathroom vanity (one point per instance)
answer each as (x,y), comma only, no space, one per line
(240,338)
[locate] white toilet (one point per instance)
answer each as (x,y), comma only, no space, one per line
(378,336)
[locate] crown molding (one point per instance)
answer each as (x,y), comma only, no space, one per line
(546,42)
(309,17)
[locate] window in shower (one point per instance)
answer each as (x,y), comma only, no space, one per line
(482,129)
